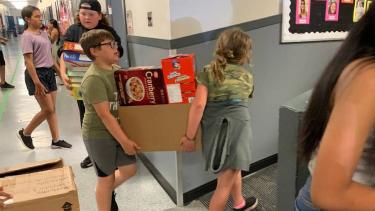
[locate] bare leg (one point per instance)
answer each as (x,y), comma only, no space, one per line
(46,109)
(236,191)
(123,173)
(2,74)
(104,188)
(52,118)
(224,186)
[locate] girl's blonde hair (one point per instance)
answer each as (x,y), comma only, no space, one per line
(233,47)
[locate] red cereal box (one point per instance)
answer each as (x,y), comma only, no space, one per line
(72,46)
(141,86)
(179,77)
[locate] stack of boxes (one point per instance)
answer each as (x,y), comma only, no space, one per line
(169,90)
(76,63)
(174,83)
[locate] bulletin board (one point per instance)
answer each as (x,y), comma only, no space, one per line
(320,20)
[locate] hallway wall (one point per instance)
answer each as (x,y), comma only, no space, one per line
(281,71)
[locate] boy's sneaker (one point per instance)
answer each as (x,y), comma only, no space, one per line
(26,140)
(250,204)
(60,144)
(114,206)
(86,163)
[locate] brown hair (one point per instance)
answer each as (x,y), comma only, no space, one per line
(27,12)
(233,47)
(104,19)
(92,39)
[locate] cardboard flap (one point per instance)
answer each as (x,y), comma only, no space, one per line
(31,167)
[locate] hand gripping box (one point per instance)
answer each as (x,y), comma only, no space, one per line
(43,185)
(179,77)
(141,86)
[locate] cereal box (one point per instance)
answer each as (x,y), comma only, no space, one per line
(72,46)
(141,86)
(179,79)
(76,60)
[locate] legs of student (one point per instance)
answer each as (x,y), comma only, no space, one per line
(236,191)
(81,108)
(52,118)
(46,109)
(3,83)
(104,188)
(2,74)
(225,183)
(123,173)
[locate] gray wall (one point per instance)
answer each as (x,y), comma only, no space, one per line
(281,71)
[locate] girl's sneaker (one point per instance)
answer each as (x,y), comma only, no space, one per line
(60,144)
(26,140)
(250,204)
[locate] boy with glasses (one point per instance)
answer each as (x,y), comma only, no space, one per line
(110,150)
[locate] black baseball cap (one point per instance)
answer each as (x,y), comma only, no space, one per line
(90,5)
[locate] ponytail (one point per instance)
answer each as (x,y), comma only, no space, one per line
(233,47)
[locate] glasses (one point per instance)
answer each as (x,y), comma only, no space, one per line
(112,44)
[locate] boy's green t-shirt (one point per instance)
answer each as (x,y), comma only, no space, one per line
(98,85)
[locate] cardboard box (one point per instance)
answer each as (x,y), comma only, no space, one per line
(72,46)
(141,86)
(45,185)
(156,127)
(179,78)
(76,60)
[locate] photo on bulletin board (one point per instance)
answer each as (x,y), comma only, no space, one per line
(317,20)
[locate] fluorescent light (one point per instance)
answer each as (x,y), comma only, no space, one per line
(19,4)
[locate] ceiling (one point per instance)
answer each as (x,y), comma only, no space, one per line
(10,5)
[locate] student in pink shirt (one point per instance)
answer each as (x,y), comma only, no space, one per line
(39,78)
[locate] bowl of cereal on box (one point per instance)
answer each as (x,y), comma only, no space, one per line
(135,89)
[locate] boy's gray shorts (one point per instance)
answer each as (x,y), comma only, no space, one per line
(107,155)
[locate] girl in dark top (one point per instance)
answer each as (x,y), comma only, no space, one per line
(89,17)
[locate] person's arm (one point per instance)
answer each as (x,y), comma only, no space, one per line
(349,125)
(70,35)
(63,73)
(3,40)
(39,88)
(54,35)
(194,118)
(110,122)
(3,197)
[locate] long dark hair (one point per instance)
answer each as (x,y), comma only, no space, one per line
(56,26)
(360,43)
(27,12)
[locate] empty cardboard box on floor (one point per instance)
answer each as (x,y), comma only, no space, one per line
(43,185)
(156,127)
